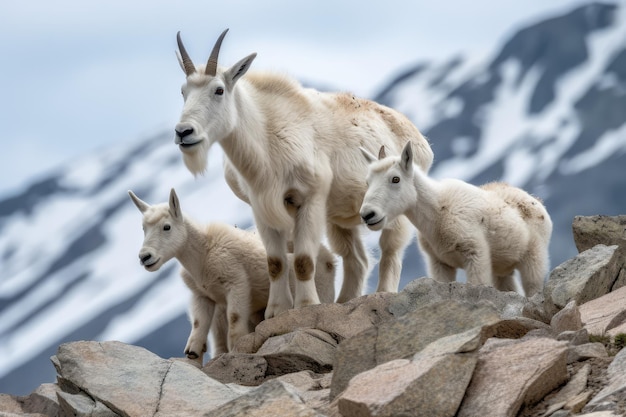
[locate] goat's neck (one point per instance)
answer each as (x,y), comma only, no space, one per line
(193,253)
(246,147)
(424,211)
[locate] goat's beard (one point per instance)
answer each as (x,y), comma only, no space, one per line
(196,160)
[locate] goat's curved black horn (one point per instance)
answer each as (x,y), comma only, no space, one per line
(211,65)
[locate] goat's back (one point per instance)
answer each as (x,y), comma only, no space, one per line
(332,126)
(530,209)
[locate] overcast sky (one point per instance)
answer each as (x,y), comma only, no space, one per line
(77,76)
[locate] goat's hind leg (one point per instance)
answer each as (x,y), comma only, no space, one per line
(201,312)
(505,282)
(478,264)
(533,269)
(347,244)
(219,329)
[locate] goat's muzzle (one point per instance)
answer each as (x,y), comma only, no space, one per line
(147,260)
(368,216)
(372,220)
(185,136)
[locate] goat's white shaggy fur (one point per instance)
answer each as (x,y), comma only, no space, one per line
(489,231)
(223,266)
(292,154)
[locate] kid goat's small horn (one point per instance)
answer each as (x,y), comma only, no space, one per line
(381,152)
(190,68)
(211,65)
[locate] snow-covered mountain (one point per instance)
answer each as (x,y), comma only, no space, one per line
(546,112)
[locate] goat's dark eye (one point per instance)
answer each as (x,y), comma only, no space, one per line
(395,180)
(219,91)
(167,227)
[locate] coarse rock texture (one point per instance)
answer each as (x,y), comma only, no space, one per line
(510,374)
(606,313)
(586,277)
(444,349)
(590,231)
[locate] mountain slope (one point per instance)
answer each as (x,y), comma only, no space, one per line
(546,112)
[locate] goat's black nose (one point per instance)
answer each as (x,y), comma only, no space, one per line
(184,133)
(144,258)
(368,216)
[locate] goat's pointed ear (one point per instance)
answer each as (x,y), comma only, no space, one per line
(239,69)
(367,154)
(381,152)
(406,159)
(141,205)
(175,210)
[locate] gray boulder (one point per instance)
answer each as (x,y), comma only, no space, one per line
(342,321)
(568,319)
(590,231)
(432,383)
(273,398)
(604,313)
(81,405)
(512,373)
(132,381)
(590,275)
(423,291)
(407,335)
(302,349)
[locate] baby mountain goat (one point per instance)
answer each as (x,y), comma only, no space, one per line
(224,267)
(488,231)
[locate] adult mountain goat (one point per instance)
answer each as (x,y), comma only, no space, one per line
(292,154)
(489,231)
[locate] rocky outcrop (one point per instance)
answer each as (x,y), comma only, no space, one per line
(586,277)
(590,231)
(445,349)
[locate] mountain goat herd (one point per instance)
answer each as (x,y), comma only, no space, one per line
(300,158)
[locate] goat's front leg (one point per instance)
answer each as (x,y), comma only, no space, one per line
(201,313)
(275,242)
(307,237)
(393,243)
(533,269)
(436,269)
(238,312)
